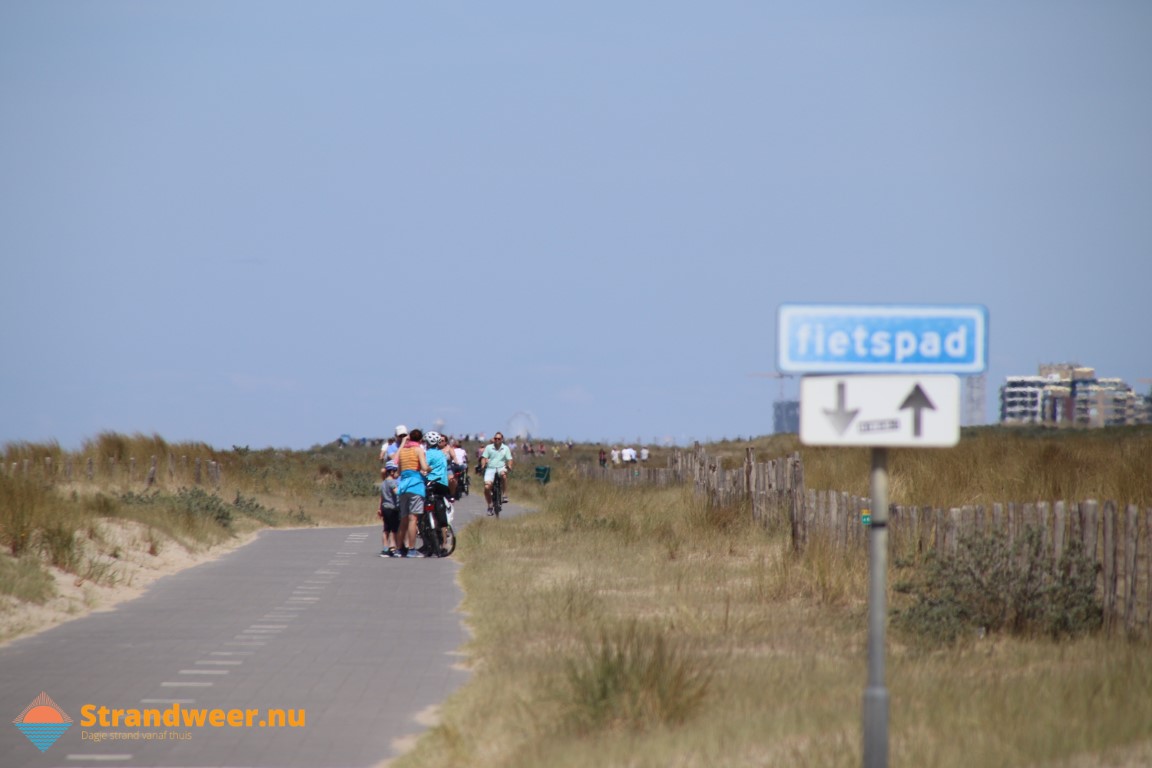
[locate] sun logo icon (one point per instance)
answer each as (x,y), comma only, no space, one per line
(43,722)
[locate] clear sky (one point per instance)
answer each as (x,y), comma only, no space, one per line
(272,222)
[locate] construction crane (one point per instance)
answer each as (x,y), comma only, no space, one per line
(773,375)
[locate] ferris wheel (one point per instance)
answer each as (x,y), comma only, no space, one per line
(522,424)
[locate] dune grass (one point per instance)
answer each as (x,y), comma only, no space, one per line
(990,464)
(639,627)
(644,629)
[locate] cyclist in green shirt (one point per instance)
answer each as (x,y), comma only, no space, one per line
(496,458)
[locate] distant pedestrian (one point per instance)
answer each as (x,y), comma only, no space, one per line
(603,457)
(393,445)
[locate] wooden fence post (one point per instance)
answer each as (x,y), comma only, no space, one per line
(1058,533)
(1045,519)
(1131,547)
(1109,556)
(1088,525)
(1148,563)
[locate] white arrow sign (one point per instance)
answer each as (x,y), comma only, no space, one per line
(913,411)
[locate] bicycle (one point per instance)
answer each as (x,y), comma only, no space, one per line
(460,471)
(436,540)
(497,494)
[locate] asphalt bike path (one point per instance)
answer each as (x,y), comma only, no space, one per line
(308,624)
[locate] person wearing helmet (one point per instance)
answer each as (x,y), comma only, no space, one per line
(437,460)
(438,477)
(389,508)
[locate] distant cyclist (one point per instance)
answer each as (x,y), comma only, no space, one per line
(495,458)
(459,457)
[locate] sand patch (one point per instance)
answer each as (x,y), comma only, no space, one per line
(126,559)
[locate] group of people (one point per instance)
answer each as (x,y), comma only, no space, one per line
(625,455)
(419,465)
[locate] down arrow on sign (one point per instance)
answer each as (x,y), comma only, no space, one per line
(841,418)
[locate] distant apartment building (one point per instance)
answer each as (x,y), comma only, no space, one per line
(786,417)
(1071,395)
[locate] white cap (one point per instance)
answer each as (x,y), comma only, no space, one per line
(401,430)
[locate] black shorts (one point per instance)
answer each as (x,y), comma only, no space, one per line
(391,519)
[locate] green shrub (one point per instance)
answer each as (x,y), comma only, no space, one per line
(990,585)
(197,502)
(252,508)
(193,503)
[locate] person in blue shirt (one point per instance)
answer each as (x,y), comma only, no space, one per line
(439,477)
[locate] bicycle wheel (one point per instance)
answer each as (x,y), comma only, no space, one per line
(447,541)
(427,538)
(497,494)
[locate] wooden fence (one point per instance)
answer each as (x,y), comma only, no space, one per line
(1117,537)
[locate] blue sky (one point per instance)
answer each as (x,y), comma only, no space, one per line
(272,222)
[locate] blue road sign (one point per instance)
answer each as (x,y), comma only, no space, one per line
(877,338)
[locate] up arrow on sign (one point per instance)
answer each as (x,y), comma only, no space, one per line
(920,410)
(917,401)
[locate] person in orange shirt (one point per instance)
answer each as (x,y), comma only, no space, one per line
(413,464)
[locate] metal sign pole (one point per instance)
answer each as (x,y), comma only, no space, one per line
(876,694)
